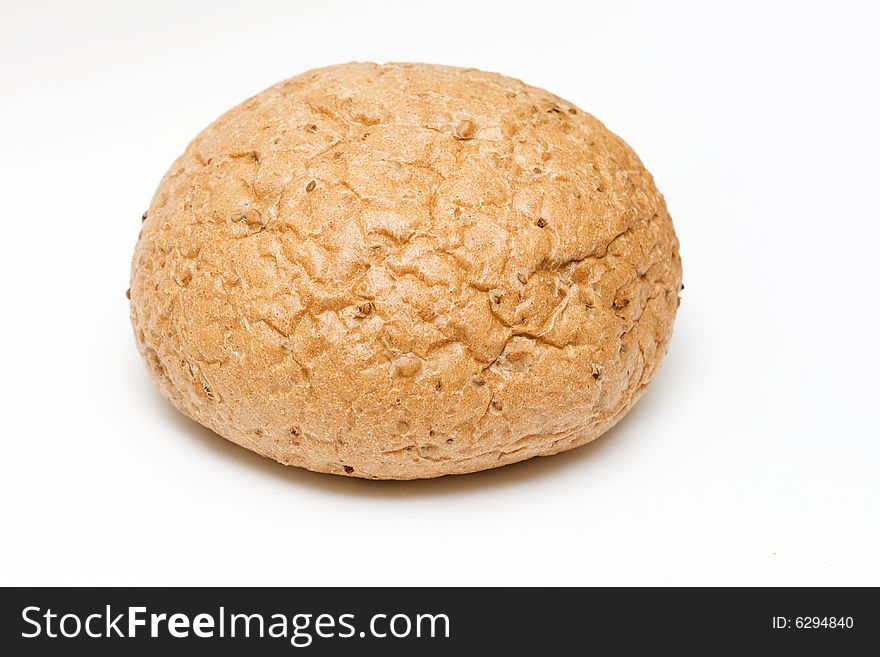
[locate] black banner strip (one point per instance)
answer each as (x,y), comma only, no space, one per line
(423,621)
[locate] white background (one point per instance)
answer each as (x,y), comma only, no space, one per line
(753,458)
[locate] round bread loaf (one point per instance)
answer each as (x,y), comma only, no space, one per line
(405,271)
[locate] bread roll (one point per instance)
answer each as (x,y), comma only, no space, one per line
(405,271)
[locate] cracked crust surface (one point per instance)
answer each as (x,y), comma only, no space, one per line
(405,271)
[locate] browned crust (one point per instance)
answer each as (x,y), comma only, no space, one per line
(405,271)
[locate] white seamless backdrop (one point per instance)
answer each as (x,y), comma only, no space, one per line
(753,457)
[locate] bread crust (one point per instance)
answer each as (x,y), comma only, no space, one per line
(405,271)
